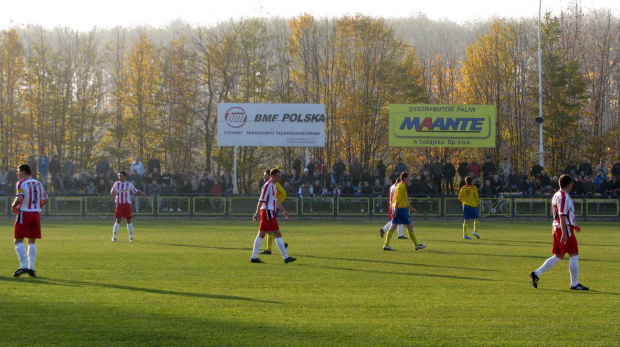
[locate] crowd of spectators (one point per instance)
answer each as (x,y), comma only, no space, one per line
(318,179)
(62,179)
(436,177)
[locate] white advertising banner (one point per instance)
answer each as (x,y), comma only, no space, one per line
(271,125)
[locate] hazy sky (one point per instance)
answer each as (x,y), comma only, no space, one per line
(85,14)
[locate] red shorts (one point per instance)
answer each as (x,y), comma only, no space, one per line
(28,225)
(123,211)
(268,221)
(571,243)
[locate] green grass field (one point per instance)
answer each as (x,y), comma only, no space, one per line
(190,282)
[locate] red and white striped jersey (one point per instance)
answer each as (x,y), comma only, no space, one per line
(563,206)
(123,191)
(33,193)
(392,190)
(268,195)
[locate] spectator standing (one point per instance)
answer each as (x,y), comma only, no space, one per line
(32,162)
(102,167)
(474,168)
(331,180)
(166,177)
(381,168)
(488,168)
(366,176)
(571,166)
(217,202)
(602,165)
(449,172)
(536,169)
(355,170)
(505,170)
(344,178)
(155,175)
(615,170)
(437,175)
(138,166)
(400,166)
(69,167)
(152,164)
(43,163)
(54,169)
(4,178)
(586,167)
(339,167)
(463,170)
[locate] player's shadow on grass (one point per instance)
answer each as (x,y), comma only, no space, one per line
(72,283)
(196,246)
(406,273)
(374,261)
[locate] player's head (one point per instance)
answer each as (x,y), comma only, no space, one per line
(398,180)
(468,180)
(24,168)
(266,175)
(122,176)
(275,175)
(404,176)
(565,181)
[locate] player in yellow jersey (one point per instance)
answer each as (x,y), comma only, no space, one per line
(400,212)
(470,199)
(281,196)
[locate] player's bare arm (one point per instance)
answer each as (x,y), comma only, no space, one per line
(279,205)
(258,206)
(564,226)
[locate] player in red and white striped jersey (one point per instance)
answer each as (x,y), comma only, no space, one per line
(564,240)
(266,207)
(123,190)
(28,203)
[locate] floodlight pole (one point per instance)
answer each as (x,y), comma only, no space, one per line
(539,119)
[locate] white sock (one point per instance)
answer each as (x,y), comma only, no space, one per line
(400,230)
(257,243)
(281,247)
(547,265)
(130,230)
(115,230)
(387,226)
(573,268)
(21,254)
(32,255)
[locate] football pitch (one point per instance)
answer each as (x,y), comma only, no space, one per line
(190,282)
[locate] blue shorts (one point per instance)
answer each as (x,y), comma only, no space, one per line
(470,212)
(402,216)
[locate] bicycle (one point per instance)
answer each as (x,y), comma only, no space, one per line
(497,207)
(101,207)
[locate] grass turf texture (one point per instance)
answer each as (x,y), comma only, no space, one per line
(191,283)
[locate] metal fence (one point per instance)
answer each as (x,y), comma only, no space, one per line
(343,206)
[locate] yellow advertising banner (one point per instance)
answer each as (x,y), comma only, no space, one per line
(413,125)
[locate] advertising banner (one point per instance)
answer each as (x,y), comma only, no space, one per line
(271,125)
(442,125)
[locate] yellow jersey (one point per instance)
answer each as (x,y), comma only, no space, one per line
(281,193)
(469,196)
(400,196)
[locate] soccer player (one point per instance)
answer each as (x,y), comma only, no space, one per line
(389,223)
(266,207)
(123,190)
(564,240)
(470,199)
(400,212)
(281,195)
(29,201)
